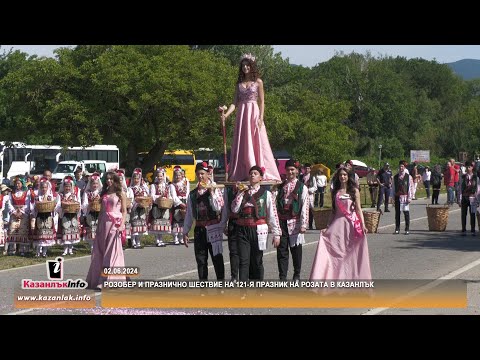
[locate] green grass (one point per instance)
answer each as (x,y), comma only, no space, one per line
(16,261)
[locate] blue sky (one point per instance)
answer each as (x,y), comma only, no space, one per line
(310,55)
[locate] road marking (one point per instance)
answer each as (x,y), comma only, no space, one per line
(43,263)
(428,286)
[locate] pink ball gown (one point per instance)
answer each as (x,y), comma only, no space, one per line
(250,143)
(107,247)
(340,254)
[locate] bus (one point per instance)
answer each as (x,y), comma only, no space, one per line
(18,158)
(170,159)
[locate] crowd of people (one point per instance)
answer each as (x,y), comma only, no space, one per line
(108,215)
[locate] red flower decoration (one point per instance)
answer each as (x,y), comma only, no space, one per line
(263,169)
(204,164)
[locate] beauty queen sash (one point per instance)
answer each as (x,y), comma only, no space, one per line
(357,224)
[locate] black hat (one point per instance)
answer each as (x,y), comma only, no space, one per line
(201,166)
(258,168)
(293,163)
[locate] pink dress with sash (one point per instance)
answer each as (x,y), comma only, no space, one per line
(342,252)
(107,247)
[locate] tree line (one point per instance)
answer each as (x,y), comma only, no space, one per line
(157,97)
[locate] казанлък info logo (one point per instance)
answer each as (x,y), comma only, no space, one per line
(55,273)
(55,269)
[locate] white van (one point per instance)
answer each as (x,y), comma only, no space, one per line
(88,167)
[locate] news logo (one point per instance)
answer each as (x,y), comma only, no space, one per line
(55,268)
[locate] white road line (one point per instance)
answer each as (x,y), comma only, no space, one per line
(428,286)
(43,263)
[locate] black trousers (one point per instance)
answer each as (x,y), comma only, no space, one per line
(282,254)
(373,194)
(250,256)
(319,195)
(384,192)
(310,218)
(435,194)
(466,209)
(233,249)
(397,215)
(202,247)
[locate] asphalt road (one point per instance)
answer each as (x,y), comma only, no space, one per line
(422,255)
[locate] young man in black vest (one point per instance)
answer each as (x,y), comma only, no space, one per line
(468,186)
(203,205)
(229,223)
(293,207)
(256,212)
(403,190)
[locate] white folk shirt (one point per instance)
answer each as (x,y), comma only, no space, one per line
(294,225)
(272,215)
(216,202)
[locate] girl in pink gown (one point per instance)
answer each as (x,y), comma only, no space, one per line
(107,247)
(250,141)
(342,251)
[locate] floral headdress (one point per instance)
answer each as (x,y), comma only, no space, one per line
(248,56)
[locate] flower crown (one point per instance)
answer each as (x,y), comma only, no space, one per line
(248,56)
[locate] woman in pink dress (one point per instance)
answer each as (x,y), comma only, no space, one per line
(342,251)
(107,247)
(250,142)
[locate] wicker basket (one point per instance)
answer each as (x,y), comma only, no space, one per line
(45,206)
(321,217)
(372,218)
(70,207)
(95,205)
(437,217)
(143,201)
(164,203)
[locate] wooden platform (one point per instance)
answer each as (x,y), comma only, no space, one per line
(232,183)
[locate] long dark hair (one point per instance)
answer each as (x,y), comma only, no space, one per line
(254,73)
(117,185)
(351,186)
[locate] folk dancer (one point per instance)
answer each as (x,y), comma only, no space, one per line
(129,196)
(159,219)
(229,221)
(256,213)
(308,180)
(468,187)
(179,190)
(69,222)
(202,206)
(4,204)
(403,190)
(19,216)
(91,196)
(45,222)
(292,206)
(138,214)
